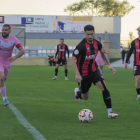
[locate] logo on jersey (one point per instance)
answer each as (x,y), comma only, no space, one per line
(11,43)
(76,52)
(96,48)
(61,50)
(137,50)
(137,44)
(90,57)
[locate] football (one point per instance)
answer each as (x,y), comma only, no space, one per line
(85,115)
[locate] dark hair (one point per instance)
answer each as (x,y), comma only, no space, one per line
(62,39)
(7,25)
(99,37)
(89,28)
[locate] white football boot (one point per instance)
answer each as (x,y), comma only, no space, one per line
(54,78)
(138,98)
(112,115)
(66,78)
(75,94)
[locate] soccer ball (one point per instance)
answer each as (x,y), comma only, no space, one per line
(85,115)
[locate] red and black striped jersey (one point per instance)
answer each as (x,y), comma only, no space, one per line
(135,46)
(61,51)
(86,55)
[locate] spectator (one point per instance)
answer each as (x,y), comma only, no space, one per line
(123,55)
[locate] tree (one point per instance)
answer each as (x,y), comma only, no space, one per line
(131,37)
(100,8)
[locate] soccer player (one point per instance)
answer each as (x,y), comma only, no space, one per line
(7,43)
(86,68)
(99,59)
(61,52)
(135,46)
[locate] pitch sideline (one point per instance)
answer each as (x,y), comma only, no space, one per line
(26,124)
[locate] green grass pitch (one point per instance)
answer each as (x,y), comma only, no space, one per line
(50,107)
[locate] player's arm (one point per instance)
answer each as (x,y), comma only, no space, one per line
(129,53)
(78,77)
(21,52)
(67,49)
(106,59)
(56,52)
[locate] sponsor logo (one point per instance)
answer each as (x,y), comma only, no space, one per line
(1,19)
(76,52)
(136,44)
(137,50)
(27,20)
(90,57)
(61,50)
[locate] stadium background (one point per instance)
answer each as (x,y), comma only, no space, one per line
(40,34)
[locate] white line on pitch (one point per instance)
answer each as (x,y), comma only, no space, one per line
(26,124)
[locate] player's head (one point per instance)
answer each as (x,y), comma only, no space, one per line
(89,32)
(61,40)
(138,29)
(6,30)
(99,39)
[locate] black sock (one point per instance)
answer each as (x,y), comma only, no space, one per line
(79,94)
(56,71)
(138,91)
(107,98)
(66,73)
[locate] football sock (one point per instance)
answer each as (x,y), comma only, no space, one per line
(3,92)
(138,91)
(66,73)
(79,94)
(107,98)
(56,72)
(101,71)
(109,110)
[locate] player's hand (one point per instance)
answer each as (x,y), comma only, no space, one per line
(11,59)
(78,78)
(125,66)
(67,59)
(112,69)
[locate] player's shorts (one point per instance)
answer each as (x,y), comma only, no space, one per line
(5,69)
(64,62)
(86,83)
(136,70)
(100,62)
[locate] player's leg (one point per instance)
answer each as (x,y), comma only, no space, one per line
(106,98)
(137,78)
(3,76)
(64,62)
(99,81)
(66,71)
(56,69)
(84,87)
(101,69)
(101,63)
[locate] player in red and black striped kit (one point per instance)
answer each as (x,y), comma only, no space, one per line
(86,69)
(135,46)
(61,52)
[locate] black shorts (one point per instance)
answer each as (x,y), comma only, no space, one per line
(86,83)
(136,70)
(64,62)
